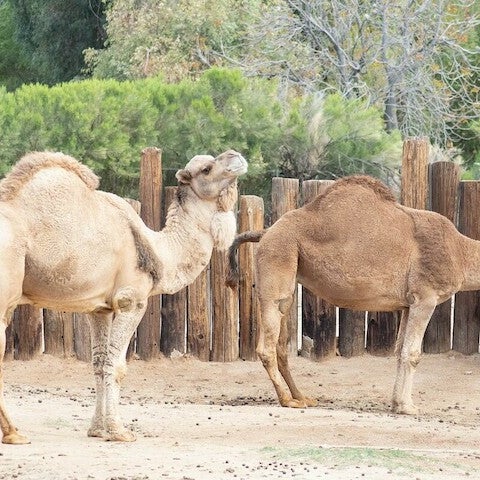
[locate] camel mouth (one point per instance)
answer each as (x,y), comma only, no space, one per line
(239,167)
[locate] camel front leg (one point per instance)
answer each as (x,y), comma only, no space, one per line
(9,432)
(100,325)
(123,327)
(413,324)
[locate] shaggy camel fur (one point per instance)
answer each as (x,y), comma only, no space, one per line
(357,248)
(66,246)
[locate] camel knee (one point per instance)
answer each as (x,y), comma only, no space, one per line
(411,359)
(125,300)
(284,304)
(120,372)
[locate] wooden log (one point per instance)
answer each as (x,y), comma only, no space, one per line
(82,339)
(351,333)
(173,307)
(198,317)
(285,198)
(137,206)
(383,326)
(318,316)
(58,333)
(150,193)
(9,347)
(251,217)
(444,181)
(224,312)
(27,332)
(466,326)
(414,182)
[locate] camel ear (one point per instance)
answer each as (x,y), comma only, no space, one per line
(184,177)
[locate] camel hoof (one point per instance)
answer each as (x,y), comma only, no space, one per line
(298,403)
(405,409)
(15,439)
(96,432)
(120,436)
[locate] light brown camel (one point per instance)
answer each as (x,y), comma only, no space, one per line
(357,248)
(66,246)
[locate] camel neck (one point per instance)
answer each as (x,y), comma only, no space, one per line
(183,247)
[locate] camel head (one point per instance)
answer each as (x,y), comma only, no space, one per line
(215,180)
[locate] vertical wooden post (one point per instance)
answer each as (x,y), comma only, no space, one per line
(251,217)
(383,326)
(137,206)
(285,198)
(351,332)
(444,180)
(9,347)
(150,193)
(198,317)
(58,333)
(318,316)
(82,339)
(414,192)
(466,327)
(173,306)
(27,332)
(224,312)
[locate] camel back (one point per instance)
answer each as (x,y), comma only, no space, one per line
(381,190)
(31,163)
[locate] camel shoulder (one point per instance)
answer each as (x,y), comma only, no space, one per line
(33,162)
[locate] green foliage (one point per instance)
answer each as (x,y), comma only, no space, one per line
(106,124)
(176,39)
(14,65)
(332,137)
(51,36)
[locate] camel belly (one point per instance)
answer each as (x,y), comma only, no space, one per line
(373,293)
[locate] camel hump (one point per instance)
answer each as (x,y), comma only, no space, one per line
(33,162)
(380,189)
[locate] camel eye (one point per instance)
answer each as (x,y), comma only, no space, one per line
(206,170)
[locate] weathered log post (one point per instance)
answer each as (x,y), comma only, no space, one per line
(383,326)
(444,181)
(466,326)
(285,198)
(82,340)
(318,316)
(198,316)
(27,332)
(224,312)
(250,217)
(58,333)
(150,193)
(173,306)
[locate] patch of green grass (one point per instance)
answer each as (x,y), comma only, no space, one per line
(403,462)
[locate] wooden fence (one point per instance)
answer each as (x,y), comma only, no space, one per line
(211,322)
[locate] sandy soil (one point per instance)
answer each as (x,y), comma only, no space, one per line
(199,420)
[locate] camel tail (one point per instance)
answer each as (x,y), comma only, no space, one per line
(233,274)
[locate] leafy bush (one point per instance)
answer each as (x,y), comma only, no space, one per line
(106,124)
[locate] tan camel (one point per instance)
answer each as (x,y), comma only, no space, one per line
(357,248)
(66,246)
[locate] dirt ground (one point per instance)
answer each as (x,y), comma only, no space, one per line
(199,421)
